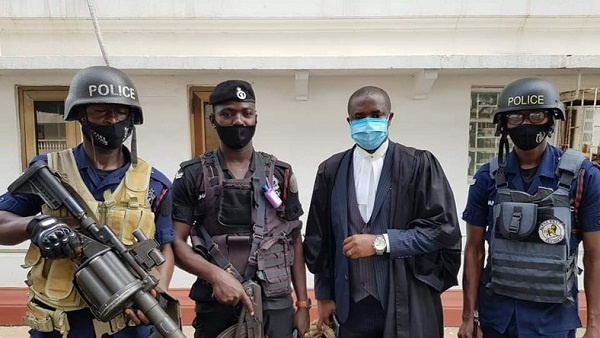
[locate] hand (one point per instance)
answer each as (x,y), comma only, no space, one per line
(326,309)
(466,330)
(591,333)
(54,238)
(137,316)
(228,290)
(359,246)
(302,321)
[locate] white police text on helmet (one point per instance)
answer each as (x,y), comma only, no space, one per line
(104,89)
(526,100)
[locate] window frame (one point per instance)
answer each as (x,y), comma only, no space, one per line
(478,90)
(26,96)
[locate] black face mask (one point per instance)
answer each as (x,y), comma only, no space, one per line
(529,136)
(108,136)
(236,137)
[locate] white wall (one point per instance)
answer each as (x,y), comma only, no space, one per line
(292,34)
(302,133)
(294,8)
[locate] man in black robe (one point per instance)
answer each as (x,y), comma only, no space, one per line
(382,235)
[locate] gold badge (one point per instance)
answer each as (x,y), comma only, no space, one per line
(551,231)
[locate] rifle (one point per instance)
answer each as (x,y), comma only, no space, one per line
(110,277)
(247,326)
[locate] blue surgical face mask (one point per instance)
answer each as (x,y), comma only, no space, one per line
(369,133)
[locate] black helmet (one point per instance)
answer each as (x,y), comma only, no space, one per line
(102,84)
(530,94)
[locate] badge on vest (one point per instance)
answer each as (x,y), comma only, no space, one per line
(551,231)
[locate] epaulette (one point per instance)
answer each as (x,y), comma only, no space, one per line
(282,164)
(189,162)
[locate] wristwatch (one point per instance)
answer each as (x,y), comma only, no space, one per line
(304,304)
(380,245)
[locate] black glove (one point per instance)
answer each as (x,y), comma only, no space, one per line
(54,238)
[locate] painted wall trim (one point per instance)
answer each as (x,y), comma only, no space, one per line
(12,306)
(400,62)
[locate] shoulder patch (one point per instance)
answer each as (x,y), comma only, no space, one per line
(156,175)
(178,175)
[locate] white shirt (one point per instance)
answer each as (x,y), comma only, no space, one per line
(367,171)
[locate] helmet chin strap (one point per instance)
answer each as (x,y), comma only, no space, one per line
(501,130)
(134,157)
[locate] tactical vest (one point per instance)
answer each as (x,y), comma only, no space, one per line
(531,255)
(124,210)
(249,232)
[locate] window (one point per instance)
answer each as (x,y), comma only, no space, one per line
(581,130)
(204,136)
(43,129)
(483,144)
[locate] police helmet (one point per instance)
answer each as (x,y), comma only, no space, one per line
(102,85)
(530,94)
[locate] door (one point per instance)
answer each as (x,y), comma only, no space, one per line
(204,136)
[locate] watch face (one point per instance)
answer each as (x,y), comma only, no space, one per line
(379,243)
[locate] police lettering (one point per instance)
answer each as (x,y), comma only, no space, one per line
(525,100)
(104,89)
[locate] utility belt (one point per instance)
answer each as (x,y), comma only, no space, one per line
(44,318)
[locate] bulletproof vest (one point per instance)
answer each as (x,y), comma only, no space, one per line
(124,210)
(249,232)
(531,255)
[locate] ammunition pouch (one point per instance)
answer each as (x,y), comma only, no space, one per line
(43,319)
(113,326)
(274,260)
(46,320)
(517,220)
(235,249)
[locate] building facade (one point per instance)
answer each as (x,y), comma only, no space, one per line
(442,62)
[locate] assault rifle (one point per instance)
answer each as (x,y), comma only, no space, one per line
(110,277)
(248,326)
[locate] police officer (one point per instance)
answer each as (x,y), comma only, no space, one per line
(246,202)
(120,189)
(533,205)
